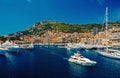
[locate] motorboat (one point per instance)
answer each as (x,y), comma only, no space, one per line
(30,46)
(79,59)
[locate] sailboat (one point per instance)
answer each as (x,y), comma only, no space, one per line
(110,53)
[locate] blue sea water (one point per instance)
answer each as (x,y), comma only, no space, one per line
(49,62)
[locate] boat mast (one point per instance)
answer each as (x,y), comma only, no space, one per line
(106,24)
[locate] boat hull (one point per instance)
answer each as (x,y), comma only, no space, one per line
(14,50)
(82,63)
(108,55)
(3,52)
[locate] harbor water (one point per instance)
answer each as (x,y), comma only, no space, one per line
(50,62)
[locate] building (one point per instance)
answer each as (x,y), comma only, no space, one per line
(115,36)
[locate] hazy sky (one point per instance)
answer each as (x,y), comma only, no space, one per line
(17,15)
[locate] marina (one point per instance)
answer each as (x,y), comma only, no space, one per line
(60,39)
(49,61)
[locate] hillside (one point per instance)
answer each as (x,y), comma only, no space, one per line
(40,28)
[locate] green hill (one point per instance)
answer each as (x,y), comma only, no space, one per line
(40,28)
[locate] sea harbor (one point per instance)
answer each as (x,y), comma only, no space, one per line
(52,59)
(60,39)
(59,60)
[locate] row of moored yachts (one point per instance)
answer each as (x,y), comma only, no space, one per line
(12,47)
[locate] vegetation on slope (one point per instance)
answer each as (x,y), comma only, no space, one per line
(41,27)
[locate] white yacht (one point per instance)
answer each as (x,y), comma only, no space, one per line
(30,46)
(79,59)
(10,46)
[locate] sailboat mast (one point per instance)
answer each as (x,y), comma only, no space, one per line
(106,25)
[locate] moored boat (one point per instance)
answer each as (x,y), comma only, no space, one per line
(2,51)
(114,54)
(110,53)
(11,47)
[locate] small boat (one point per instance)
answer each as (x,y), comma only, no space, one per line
(70,46)
(79,59)
(3,51)
(30,46)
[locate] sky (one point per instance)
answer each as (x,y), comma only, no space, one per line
(17,15)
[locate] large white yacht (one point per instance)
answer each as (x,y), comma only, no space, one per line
(79,59)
